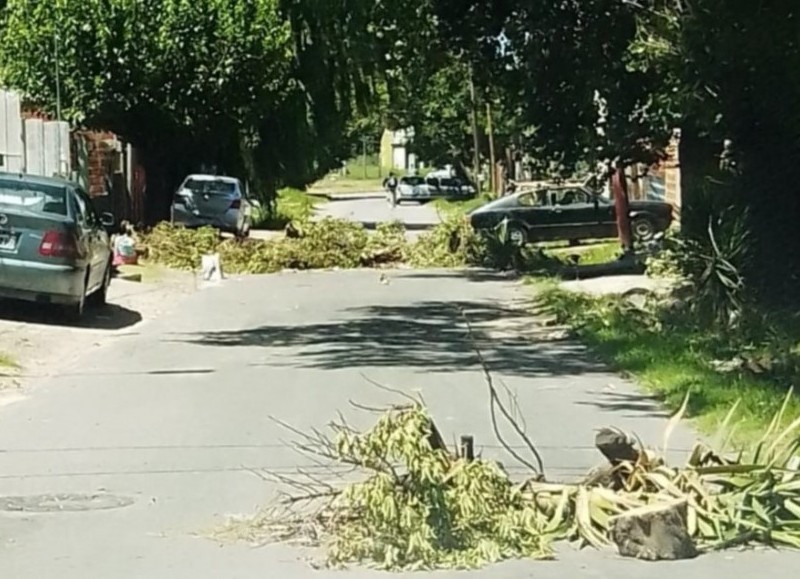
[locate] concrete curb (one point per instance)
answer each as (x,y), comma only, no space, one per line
(349,197)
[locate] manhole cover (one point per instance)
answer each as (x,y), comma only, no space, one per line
(63,503)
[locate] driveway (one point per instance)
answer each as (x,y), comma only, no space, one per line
(169,422)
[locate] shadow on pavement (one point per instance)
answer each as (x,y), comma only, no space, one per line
(629,404)
(430,335)
(108,317)
(473,275)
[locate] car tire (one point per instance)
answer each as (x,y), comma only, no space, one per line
(517,235)
(643,228)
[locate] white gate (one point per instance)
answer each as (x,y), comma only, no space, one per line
(35,146)
(12,154)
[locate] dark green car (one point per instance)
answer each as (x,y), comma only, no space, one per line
(54,247)
(568,213)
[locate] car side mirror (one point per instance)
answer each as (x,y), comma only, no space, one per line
(108,220)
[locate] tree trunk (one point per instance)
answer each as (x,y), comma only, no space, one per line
(476,155)
(492,157)
(619,186)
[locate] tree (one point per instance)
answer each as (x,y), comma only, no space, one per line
(726,73)
(188,82)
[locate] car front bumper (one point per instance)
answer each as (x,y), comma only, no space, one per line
(41,282)
(230,221)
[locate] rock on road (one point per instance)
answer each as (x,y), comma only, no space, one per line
(169,422)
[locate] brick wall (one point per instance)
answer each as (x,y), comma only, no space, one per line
(100,160)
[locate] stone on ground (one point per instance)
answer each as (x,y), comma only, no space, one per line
(654,533)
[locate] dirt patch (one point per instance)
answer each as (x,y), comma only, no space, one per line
(40,340)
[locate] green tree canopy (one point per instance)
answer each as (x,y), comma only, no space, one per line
(261,88)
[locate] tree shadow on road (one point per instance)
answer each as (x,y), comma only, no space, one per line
(629,404)
(470,274)
(431,336)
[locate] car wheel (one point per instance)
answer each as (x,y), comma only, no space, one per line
(517,235)
(643,229)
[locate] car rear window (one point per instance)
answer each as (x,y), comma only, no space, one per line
(209,187)
(25,196)
(412,180)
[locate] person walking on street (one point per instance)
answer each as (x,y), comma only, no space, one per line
(391,184)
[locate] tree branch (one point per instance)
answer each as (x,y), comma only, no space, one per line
(496,403)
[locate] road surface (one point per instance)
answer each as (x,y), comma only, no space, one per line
(166,423)
(371,211)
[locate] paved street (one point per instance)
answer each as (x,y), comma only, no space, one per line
(171,418)
(372,211)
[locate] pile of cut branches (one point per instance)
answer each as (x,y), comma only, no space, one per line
(424,506)
(417,504)
(336,243)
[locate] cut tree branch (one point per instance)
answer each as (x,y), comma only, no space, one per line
(496,403)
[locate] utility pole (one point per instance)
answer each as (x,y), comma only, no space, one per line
(619,188)
(58,102)
(476,160)
(492,159)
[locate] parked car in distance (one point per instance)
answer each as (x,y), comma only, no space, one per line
(54,246)
(568,213)
(436,185)
(412,188)
(220,202)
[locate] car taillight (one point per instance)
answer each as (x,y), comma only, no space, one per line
(236,204)
(58,244)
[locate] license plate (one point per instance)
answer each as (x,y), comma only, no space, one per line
(8,242)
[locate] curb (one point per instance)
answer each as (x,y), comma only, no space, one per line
(372,225)
(350,197)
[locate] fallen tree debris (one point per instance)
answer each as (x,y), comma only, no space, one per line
(418,504)
(421,505)
(656,532)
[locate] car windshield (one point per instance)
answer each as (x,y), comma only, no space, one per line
(209,187)
(28,197)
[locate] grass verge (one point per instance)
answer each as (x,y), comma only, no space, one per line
(346,186)
(450,207)
(669,363)
(590,253)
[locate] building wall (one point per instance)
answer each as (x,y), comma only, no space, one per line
(394,150)
(387,150)
(106,167)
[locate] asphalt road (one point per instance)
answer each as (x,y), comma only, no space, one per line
(168,422)
(377,210)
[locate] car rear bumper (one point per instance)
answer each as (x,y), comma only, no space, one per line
(41,282)
(230,221)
